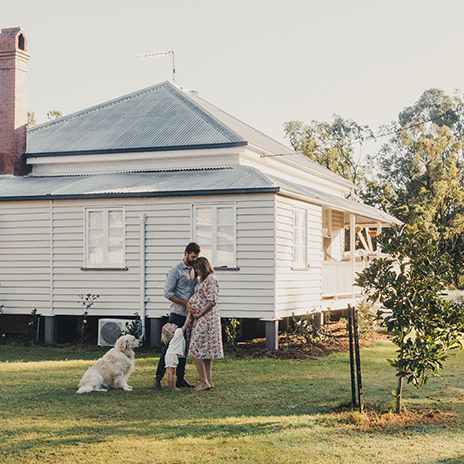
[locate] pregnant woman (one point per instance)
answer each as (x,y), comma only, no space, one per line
(206,339)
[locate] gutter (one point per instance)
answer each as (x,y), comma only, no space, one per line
(182,193)
(134,150)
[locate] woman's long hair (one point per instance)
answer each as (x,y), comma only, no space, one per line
(203,265)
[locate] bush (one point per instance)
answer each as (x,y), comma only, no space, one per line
(134,328)
(304,326)
(231,329)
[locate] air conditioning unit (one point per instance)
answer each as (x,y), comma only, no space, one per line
(109,330)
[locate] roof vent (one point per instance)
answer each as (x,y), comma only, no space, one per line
(195,92)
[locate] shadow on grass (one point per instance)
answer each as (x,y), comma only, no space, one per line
(458,460)
(135,430)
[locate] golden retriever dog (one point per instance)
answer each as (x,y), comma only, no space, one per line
(113,369)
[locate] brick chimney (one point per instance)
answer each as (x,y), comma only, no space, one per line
(13,101)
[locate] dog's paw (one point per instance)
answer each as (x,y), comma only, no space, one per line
(128,388)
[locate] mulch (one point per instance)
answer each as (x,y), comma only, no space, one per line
(293,347)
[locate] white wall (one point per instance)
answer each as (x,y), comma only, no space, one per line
(247,292)
(25,254)
(42,268)
(297,291)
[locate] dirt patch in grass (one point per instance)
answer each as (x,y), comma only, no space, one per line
(374,420)
(292,347)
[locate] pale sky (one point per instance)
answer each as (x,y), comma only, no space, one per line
(263,61)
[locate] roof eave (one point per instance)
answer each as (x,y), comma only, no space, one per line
(301,196)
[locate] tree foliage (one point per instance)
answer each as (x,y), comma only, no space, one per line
(31,121)
(421,171)
(409,285)
(51,115)
(332,145)
(54,114)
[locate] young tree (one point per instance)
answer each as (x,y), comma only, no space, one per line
(409,286)
(332,145)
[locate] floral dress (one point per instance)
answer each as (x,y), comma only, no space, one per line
(206,338)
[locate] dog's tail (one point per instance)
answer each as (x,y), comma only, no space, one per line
(85,389)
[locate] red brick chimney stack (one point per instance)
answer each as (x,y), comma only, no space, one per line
(13,101)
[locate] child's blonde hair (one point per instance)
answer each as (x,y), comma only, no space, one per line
(167,332)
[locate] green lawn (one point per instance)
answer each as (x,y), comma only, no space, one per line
(261,411)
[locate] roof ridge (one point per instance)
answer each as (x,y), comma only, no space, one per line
(182,94)
(291,150)
(94,108)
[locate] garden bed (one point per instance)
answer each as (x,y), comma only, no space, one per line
(296,347)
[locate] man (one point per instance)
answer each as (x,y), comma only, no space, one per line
(179,287)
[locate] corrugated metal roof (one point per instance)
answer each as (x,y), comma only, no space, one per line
(216,181)
(338,203)
(260,140)
(161,117)
(241,179)
(157,118)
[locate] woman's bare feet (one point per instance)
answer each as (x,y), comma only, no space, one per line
(175,389)
(203,386)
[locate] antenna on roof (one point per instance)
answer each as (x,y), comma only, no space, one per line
(153,54)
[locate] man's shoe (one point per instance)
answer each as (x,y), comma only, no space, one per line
(182,383)
(158,383)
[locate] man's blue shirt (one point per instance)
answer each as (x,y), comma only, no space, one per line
(180,281)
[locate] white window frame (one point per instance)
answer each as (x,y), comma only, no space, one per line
(104,264)
(214,207)
(300,223)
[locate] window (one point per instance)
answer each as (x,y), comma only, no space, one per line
(214,231)
(104,240)
(299,239)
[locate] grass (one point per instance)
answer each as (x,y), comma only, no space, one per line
(261,411)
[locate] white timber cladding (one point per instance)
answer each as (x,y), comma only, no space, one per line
(42,267)
(25,257)
(298,291)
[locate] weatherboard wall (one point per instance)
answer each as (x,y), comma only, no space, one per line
(25,256)
(298,291)
(42,245)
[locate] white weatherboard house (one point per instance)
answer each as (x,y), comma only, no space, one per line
(108,198)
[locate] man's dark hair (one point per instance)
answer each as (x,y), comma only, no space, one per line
(193,247)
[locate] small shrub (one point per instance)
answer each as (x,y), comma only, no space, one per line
(134,328)
(304,326)
(231,328)
(33,328)
(87,301)
(2,335)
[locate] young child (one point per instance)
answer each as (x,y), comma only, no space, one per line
(175,336)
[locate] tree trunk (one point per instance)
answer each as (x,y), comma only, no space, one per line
(399,394)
